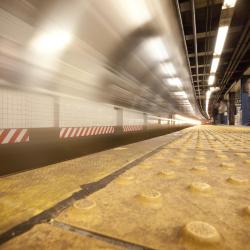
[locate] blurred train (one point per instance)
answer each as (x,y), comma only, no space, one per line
(77,69)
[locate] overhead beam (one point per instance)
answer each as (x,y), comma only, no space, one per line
(202,74)
(201,35)
(206,65)
(203,97)
(195,83)
(204,53)
(192,7)
(208,53)
(186,6)
(212,33)
(202,85)
(200,66)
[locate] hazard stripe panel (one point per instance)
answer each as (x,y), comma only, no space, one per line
(85,131)
(132,128)
(14,135)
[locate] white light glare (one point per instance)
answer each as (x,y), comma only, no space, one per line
(168,68)
(174,81)
(213,89)
(183,119)
(215,63)
(220,40)
(52,41)
(136,13)
(228,4)
(211,80)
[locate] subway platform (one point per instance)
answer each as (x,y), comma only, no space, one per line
(185,190)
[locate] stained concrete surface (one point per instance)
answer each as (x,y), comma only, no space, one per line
(202,178)
(27,194)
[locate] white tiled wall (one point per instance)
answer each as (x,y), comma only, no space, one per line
(25,110)
(80,113)
(41,111)
(131,117)
(29,110)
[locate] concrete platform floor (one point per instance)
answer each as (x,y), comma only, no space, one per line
(187,190)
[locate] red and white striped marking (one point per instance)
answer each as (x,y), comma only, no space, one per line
(14,135)
(86,131)
(132,128)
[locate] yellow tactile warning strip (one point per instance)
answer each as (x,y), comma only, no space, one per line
(45,236)
(192,194)
(216,138)
(27,194)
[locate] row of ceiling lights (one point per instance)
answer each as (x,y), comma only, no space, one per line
(219,44)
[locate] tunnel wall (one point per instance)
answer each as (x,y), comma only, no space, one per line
(45,147)
(38,129)
(30,117)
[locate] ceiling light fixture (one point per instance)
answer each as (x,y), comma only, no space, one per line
(229,4)
(215,64)
(211,80)
(213,89)
(220,40)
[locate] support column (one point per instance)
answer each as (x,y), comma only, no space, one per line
(119,120)
(245,100)
(231,110)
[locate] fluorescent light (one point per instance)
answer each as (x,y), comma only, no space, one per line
(228,4)
(220,40)
(174,81)
(215,63)
(51,41)
(168,68)
(213,89)
(211,80)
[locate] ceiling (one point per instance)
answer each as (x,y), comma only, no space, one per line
(235,57)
